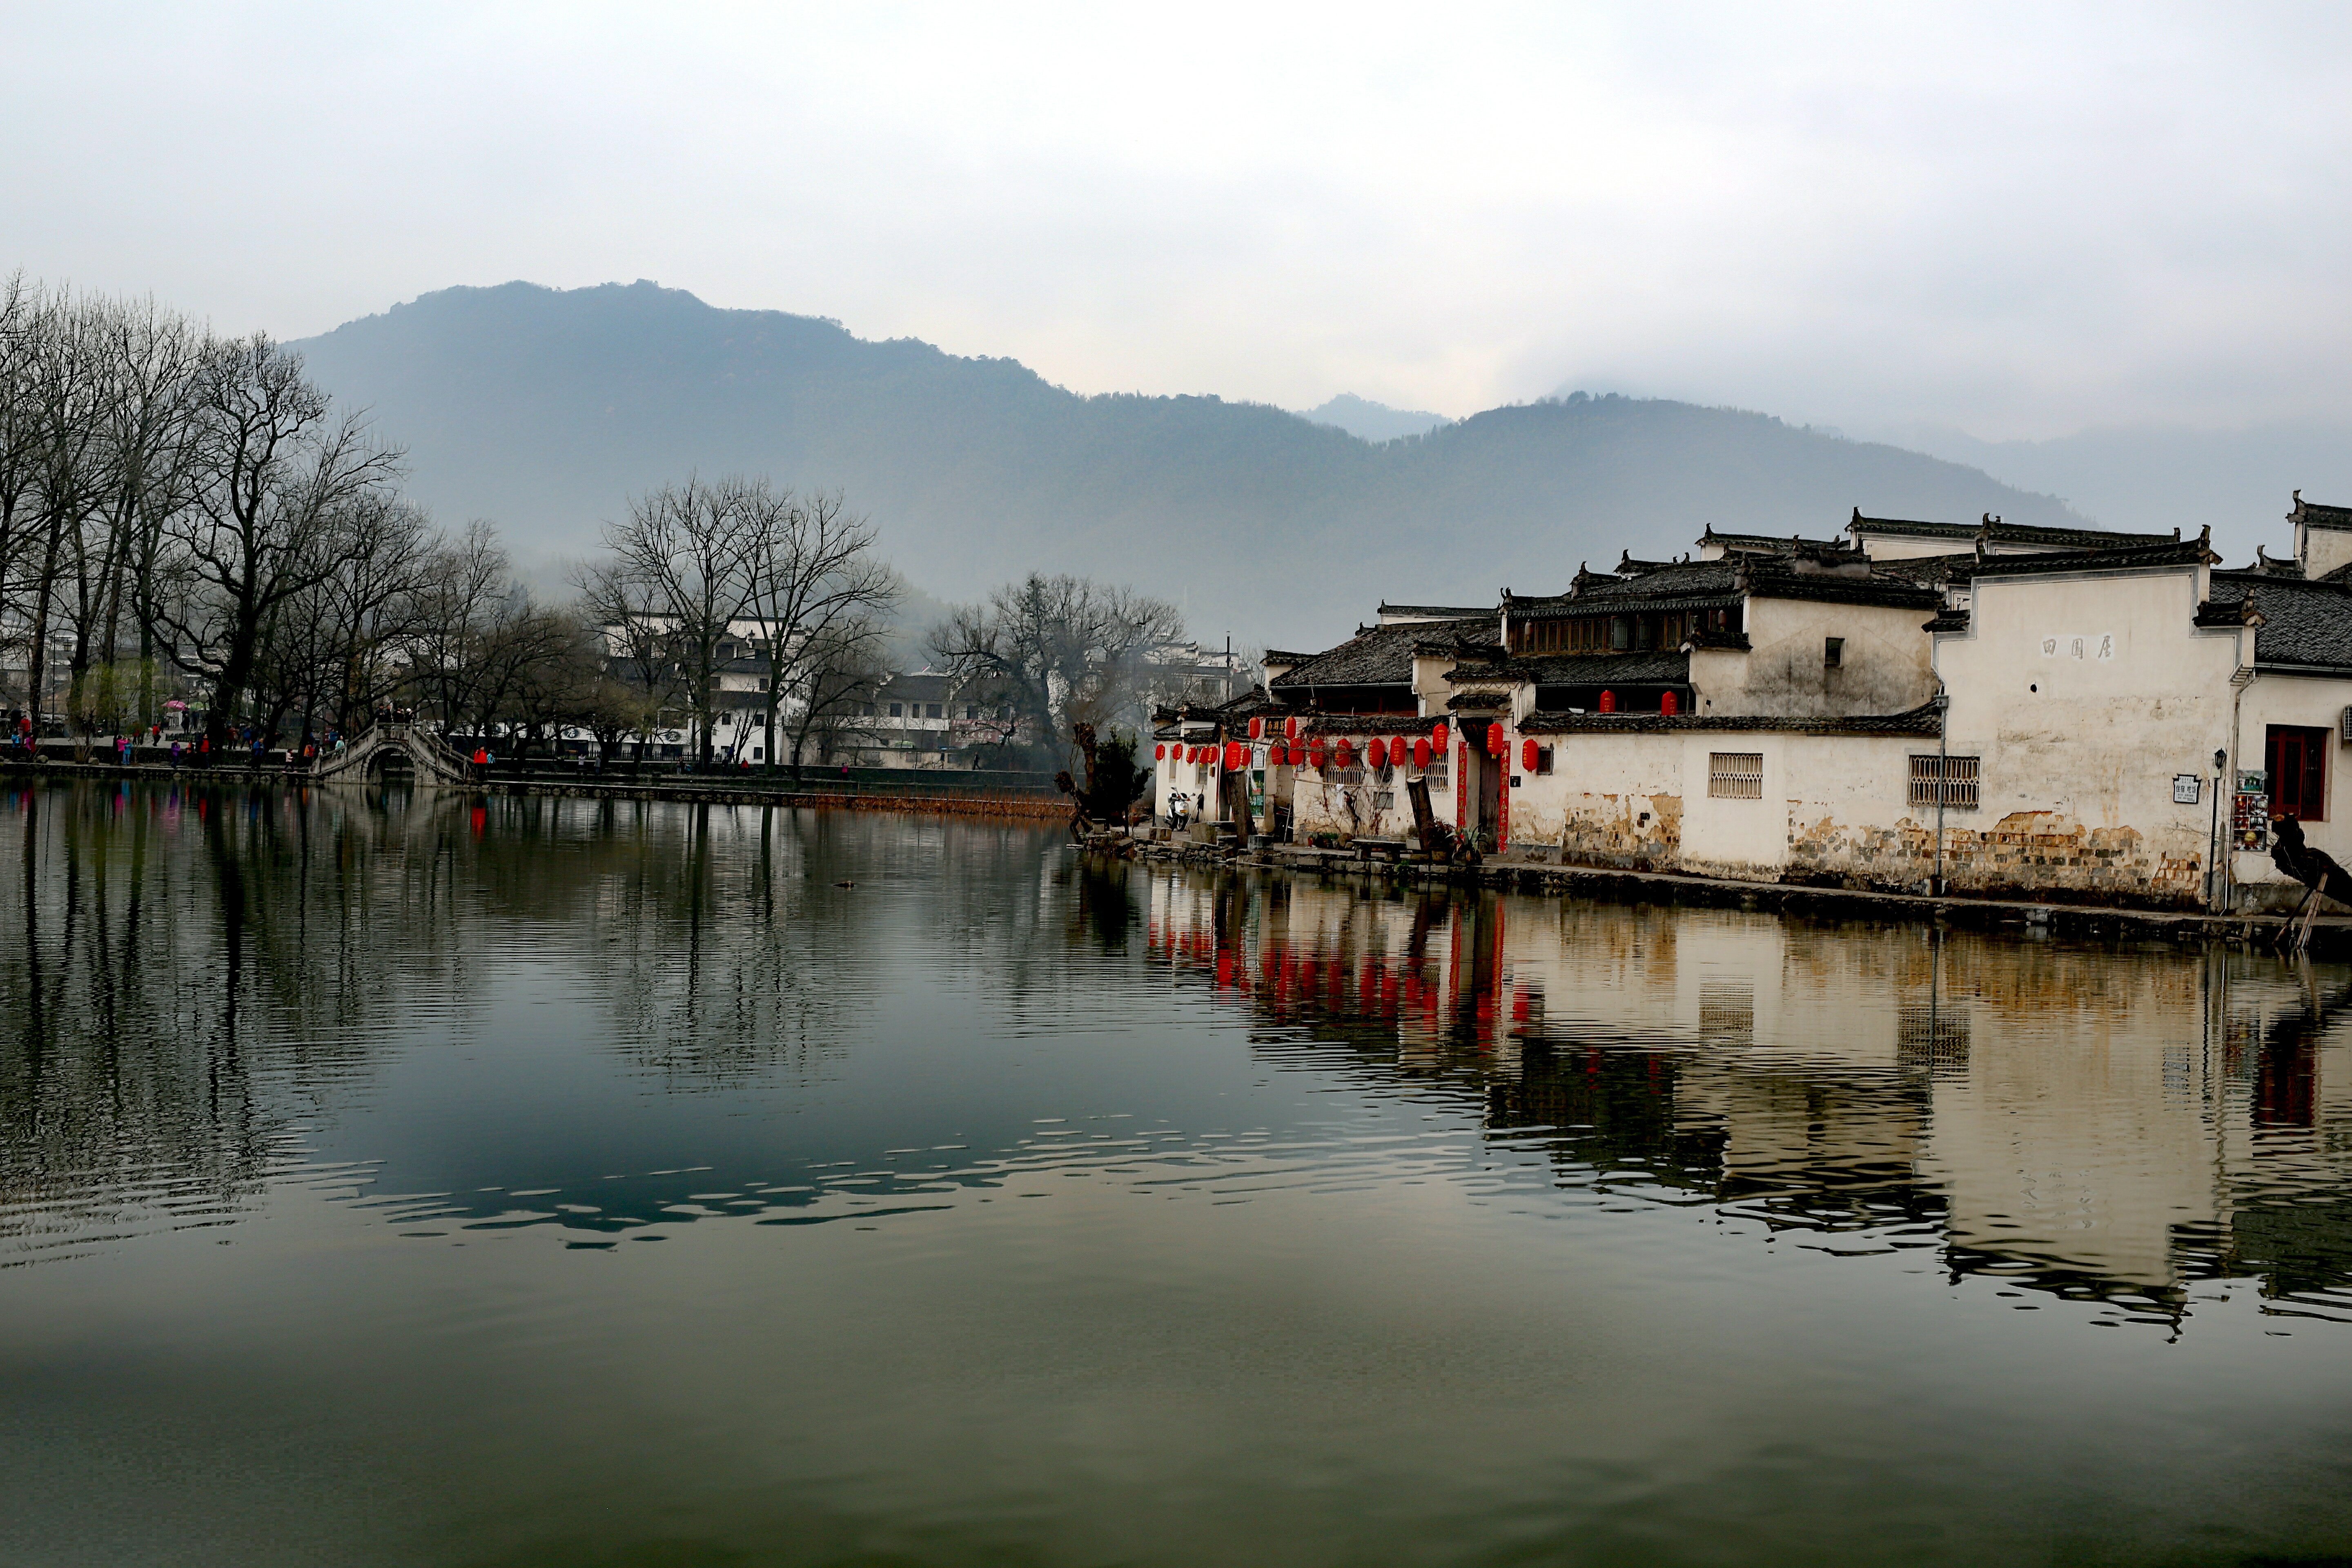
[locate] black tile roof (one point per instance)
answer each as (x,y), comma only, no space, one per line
(2000,532)
(2315,515)
(1379,655)
(1672,586)
(2307,626)
(1765,543)
(2168,553)
(1921,722)
(1657,667)
(1439,612)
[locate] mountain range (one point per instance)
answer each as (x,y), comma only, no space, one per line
(544,410)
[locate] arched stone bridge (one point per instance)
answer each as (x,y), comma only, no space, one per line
(426,753)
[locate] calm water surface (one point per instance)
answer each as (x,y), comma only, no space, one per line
(415,1181)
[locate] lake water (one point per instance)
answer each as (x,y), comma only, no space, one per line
(416,1180)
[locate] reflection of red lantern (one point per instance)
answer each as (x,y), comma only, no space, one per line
(1379,752)
(1608,702)
(1290,726)
(1345,753)
(1496,744)
(1666,704)
(1527,756)
(1437,736)
(1257,729)
(1421,751)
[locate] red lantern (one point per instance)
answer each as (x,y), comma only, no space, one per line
(1527,756)
(1668,705)
(1236,755)
(1160,753)
(1437,737)
(1315,752)
(1379,752)
(1496,744)
(1290,726)
(1257,729)
(1344,754)
(1608,702)
(1421,752)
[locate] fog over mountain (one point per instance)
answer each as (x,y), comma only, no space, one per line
(1360,416)
(2150,477)
(545,409)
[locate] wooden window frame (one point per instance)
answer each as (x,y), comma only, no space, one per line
(2294,791)
(1729,776)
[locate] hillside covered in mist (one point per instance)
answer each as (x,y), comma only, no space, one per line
(545,409)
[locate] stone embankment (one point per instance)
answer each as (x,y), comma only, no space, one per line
(929,798)
(2330,936)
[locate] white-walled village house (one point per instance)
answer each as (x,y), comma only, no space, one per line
(2066,715)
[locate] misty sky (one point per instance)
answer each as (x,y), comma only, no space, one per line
(2015,220)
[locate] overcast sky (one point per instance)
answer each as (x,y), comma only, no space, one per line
(2018,221)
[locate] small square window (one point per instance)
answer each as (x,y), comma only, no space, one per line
(1543,760)
(897,711)
(1833,651)
(933,712)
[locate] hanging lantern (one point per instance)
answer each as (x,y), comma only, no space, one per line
(1345,752)
(1527,756)
(1608,702)
(1159,753)
(1379,752)
(1421,752)
(1316,754)
(1437,737)
(1668,705)
(1290,726)
(1496,744)
(1257,729)
(1236,755)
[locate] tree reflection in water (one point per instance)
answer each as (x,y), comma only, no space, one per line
(2109,1122)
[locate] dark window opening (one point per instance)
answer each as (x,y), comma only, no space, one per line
(1543,759)
(2298,765)
(1833,651)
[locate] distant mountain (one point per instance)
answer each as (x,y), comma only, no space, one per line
(544,410)
(2153,477)
(1374,422)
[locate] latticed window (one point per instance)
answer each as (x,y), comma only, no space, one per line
(1958,776)
(1735,776)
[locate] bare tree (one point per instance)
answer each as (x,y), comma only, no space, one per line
(842,665)
(274,475)
(1062,650)
(818,593)
(685,556)
(641,678)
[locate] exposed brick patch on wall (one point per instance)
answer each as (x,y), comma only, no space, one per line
(1609,830)
(2034,855)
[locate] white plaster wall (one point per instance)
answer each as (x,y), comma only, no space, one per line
(2303,700)
(1746,839)
(1884,667)
(2091,740)
(1607,796)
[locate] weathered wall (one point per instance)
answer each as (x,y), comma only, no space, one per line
(2084,696)
(1884,667)
(1610,800)
(2317,702)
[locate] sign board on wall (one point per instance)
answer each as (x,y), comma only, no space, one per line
(2188,789)
(2250,821)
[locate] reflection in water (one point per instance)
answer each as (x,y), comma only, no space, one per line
(1024,1209)
(2095,1122)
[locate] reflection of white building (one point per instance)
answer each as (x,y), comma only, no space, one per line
(2059,1111)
